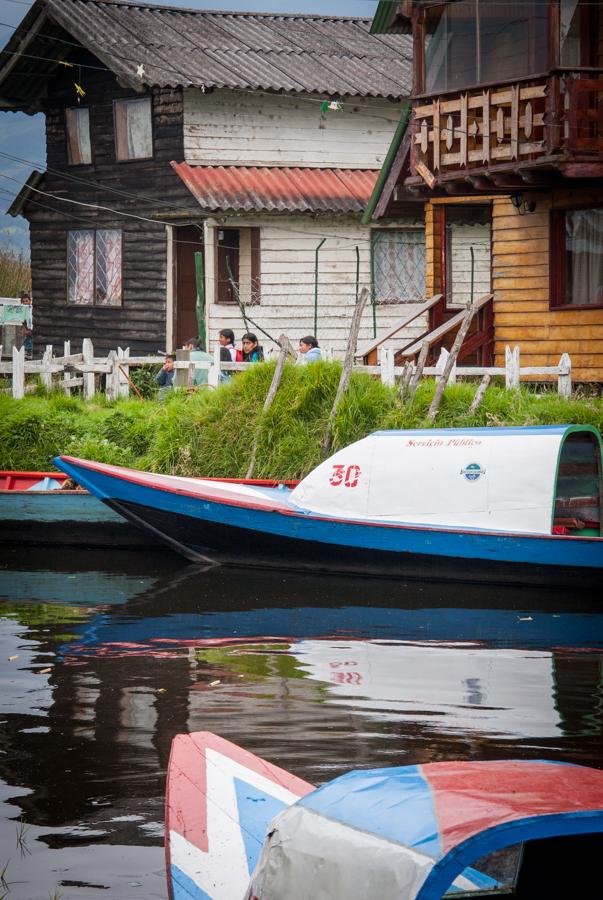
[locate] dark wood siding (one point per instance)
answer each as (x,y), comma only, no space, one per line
(139,322)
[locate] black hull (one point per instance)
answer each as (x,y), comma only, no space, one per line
(213,543)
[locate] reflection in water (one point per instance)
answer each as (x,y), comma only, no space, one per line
(105,657)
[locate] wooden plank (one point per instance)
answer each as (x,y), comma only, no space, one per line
(463,131)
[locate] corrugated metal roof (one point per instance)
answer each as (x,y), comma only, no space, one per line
(272,189)
(261,51)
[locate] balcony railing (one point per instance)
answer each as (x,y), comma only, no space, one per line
(510,124)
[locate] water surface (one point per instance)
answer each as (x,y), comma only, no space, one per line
(104,657)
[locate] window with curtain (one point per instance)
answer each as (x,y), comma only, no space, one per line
(133,129)
(77,123)
(474,42)
(94,264)
(398,263)
(577,257)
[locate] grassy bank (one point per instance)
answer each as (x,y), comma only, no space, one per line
(210,433)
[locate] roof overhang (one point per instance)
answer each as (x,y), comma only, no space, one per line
(16,207)
(392,17)
(278,189)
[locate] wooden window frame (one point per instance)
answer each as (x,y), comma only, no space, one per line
(420,54)
(133,159)
(558,260)
(94,303)
(69,109)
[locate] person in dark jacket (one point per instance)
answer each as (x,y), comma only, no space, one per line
(252,352)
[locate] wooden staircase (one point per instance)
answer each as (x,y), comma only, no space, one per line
(443,323)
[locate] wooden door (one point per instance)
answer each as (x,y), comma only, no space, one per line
(189,240)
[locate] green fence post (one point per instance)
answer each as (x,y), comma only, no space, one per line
(316,287)
(200,308)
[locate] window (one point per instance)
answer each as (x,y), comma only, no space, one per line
(77,123)
(467,228)
(478,42)
(578,33)
(94,267)
(238,265)
(398,265)
(133,129)
(577,258)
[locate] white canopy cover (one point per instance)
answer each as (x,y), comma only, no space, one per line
(497,479)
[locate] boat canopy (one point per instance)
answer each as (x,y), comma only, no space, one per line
(425,832)
(524,479)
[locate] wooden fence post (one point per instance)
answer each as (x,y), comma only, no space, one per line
(386,362)
(123,372)
(213,376)
(441,365)
(564,379)
(46,373)
(512,371)
(112,388)
(18,373)
(66,375)
(88,377)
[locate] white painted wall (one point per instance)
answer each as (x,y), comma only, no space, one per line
(287,249)
(233,128)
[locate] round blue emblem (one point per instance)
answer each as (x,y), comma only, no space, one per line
(472,472)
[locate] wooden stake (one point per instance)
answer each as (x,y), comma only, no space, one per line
(458,343)
(88,377)
(285,346)
(346,372)
(479,394)
(414,383)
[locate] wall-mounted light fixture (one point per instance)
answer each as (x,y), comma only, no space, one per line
(522,206)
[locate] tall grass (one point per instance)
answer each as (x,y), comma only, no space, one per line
(211,432)
(15,272)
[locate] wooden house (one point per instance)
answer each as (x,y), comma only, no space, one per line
(505,149)
(254,140)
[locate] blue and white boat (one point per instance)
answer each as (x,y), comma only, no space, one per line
(240,827)
(475,504)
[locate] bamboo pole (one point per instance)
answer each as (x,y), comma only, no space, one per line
(348,364)
(450,362)
(285,346)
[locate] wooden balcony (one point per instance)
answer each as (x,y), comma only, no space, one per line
(482,134)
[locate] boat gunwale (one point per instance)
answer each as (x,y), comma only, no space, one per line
(304,515)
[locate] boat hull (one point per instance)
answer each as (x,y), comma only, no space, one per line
(65,518)
(358,549)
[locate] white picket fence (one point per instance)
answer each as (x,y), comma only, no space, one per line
(79,370)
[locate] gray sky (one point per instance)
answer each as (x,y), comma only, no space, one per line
(23,136)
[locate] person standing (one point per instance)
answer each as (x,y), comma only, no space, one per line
(309,350)
(27,325)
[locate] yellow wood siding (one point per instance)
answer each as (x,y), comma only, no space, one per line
(520,280)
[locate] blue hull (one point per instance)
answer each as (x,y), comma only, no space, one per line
(207,530)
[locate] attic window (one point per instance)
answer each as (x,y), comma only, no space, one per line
(94,267)
(77,123)
(133,129)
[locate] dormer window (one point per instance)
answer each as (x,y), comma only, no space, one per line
(77,125)
(133,129)
(472,42)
